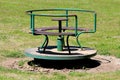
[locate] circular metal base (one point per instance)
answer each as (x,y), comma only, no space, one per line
(51,53)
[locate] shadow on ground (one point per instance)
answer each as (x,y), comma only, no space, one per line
(65,64)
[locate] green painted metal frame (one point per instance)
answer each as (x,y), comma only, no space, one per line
(32,20)
(44,45)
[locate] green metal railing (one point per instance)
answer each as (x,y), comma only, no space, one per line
(67,14)
(67,10)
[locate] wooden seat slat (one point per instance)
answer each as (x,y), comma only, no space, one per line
(46,31)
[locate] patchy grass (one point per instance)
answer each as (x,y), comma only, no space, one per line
(7,74)
(15,25)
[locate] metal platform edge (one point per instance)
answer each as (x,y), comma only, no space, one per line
(57,57)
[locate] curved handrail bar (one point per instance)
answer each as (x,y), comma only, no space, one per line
(54,15)
(61,9)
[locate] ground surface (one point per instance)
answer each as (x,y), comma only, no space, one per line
(97,64)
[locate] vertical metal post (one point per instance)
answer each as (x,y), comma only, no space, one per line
(60,44)
(60,38)
(32,23)
(67,18)
(95,21)
(60,26)
(76,25)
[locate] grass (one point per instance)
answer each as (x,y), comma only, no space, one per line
(7,74)
(15,25)
(14,37)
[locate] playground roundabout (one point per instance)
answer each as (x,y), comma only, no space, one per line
(62,57)
(96,64)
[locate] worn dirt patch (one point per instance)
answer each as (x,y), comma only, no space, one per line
(97,64)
